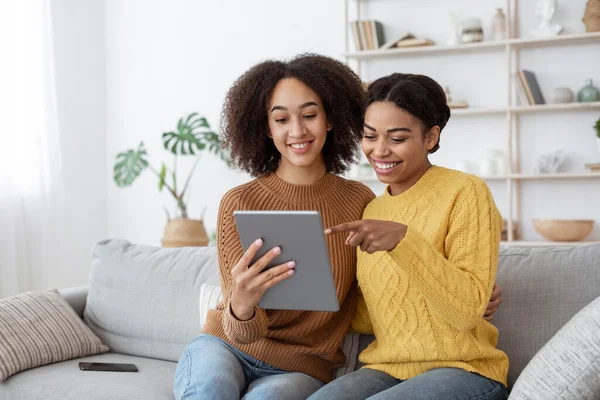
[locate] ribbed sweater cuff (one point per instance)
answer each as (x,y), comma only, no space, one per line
(245,332)
(410,247)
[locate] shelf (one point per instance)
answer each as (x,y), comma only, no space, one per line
(556,107)
(559,175)
(463,48)
(581,38)
(556,176)
(524,243)
(457,112)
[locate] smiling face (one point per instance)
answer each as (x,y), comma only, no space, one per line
(396,145)
(298,125)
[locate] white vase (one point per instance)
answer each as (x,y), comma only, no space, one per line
(598,141)
(487,167)
(562,95)
(498,25)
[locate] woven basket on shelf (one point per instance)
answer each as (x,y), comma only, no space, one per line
(591,16)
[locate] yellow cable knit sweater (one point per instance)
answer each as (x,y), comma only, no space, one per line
(424,300)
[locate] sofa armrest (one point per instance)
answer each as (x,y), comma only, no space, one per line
(76,297)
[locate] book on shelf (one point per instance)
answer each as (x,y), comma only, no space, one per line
(594,168)
(523,99)
(415,42)
(530,87)
(406,39)
(367,34)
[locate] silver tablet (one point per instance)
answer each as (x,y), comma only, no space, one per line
(301,238)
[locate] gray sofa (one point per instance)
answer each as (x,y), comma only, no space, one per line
(143,302)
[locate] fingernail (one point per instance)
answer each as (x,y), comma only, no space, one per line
(291,264)
(258,242)
(276,250)
(290,272)
(327,231)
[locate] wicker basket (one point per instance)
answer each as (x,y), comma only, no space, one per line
(184,232)
(591,16)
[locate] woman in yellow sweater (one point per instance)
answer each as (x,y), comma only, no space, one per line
(427,260)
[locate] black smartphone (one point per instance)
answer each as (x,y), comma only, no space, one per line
(112,367)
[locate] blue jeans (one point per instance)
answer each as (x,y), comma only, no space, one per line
(211,368)
(437,384)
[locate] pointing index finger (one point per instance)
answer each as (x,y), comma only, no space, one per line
(345,227)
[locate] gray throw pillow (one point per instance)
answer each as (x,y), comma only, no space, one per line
(143,300)
(41,328)
(568,366)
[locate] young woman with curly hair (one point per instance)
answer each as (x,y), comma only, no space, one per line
(294,126)
(427,261)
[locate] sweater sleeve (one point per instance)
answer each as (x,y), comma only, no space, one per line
(457,287)
(230,251)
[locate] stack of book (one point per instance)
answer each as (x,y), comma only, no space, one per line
(595,168)
(530,90)
(367,35)
(407,39)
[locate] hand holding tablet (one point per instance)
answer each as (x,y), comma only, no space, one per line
(300,238)
(250,281)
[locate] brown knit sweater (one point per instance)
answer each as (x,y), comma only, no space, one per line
(296,341)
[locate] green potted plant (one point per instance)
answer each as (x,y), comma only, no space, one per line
(193,135)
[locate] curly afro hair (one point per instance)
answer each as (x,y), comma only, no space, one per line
(244,118)
(418,95)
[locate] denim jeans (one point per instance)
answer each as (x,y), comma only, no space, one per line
(437,384)
(211,368)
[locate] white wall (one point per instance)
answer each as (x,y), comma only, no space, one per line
(165,59)
(78,29)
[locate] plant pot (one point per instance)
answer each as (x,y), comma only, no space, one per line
(184,232)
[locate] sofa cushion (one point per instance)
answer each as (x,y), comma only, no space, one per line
(64,381)
(543,289)
(568,366)
(38,328)
(143,300)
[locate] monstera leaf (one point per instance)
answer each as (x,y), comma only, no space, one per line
(214,146)
(190,137)
(129,166)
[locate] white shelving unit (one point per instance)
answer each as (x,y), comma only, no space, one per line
(511,47)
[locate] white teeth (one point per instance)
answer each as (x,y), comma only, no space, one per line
(300,145)
(385,165)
